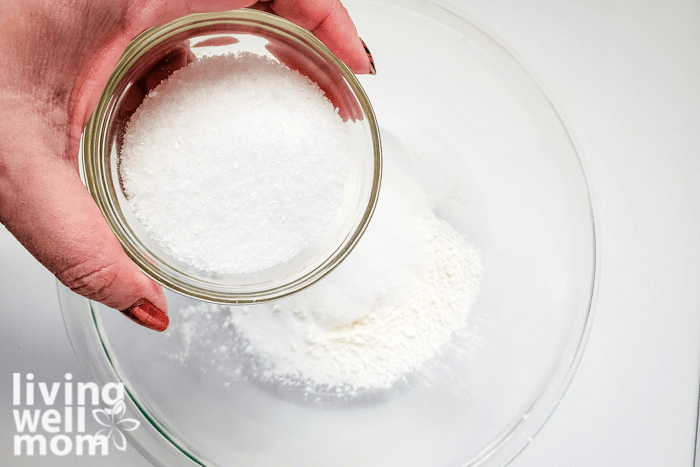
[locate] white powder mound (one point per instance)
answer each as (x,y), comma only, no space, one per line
(392,339)
(389,308)
(235,163)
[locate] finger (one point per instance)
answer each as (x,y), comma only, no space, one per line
(326,19)
(330,22)
(52,214)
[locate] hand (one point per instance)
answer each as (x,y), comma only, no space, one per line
(56,58)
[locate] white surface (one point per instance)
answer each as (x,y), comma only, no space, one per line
(626,75)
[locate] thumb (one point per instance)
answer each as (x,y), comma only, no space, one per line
(46,207)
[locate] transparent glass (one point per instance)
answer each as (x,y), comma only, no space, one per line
(498,163)
(159,51)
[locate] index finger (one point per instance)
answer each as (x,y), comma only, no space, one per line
(330,22)
(326,19)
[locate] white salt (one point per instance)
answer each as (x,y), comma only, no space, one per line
(235,163)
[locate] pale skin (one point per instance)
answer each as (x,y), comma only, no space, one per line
(56,56)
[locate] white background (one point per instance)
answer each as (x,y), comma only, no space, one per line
(626,75)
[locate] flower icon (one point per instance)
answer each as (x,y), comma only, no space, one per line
(114,422)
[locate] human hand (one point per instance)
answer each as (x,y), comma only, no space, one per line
(56,58)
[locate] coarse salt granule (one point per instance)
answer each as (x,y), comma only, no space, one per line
(235,163)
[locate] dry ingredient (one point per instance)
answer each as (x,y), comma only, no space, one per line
(235,163)
(389,308)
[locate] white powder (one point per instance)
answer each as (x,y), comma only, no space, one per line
(389,308)
(235,163)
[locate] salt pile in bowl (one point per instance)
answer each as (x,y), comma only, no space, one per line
(235,163)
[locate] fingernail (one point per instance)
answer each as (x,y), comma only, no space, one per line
(372,68)
(148,315)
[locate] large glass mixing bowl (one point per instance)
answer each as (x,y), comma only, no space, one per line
(497,162)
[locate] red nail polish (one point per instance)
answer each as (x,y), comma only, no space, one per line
(148,315)
(372,68)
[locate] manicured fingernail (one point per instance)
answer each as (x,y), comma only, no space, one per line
(147,314)
(372,68)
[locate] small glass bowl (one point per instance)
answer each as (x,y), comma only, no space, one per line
(153,56)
